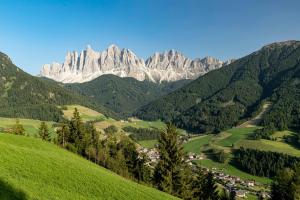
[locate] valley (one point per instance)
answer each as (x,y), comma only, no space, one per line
(201,145)
(232,131)
(149,100)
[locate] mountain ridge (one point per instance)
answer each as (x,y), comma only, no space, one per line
(207,105)
(167,66)
(27,96)
(123,95)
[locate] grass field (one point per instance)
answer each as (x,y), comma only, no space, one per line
(131,122)
(148,143)
(235,135)
(268,145)
(85,113)
(231,170)
(196,144)
(31,126)
(235,138)
(33,169)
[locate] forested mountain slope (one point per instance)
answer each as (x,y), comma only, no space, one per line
(222,98)
(26,96)
(123,95)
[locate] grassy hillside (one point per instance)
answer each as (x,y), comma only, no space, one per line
(123,95)
(86,114)
(33,169)
(31,126)
(207,105)
(26,96)
(233,139)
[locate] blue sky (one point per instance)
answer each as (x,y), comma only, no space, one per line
(36,32)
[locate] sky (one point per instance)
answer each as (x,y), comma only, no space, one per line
(36,32)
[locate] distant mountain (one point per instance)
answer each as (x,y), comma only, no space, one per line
(123,95)
(89,64)
(223,98)
(26,96)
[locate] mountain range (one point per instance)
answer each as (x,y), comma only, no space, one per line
(160,67)
(218,100)
(226,97)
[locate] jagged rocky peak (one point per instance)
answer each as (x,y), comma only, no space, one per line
(89,64)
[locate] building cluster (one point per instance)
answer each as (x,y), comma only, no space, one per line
(233,183)
(193,156)
(151,154)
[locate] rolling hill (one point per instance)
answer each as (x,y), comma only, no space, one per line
(26,96)
(123,95)
(33,169)
(226,97)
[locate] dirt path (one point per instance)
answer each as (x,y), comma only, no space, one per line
(255,121)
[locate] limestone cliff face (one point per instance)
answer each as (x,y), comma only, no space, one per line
(89,64)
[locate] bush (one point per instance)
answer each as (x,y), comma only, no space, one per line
(111,129)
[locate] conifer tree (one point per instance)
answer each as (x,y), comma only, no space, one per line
(168,173)
(63,135)
(210,187)
(44,132)
(286,185)
(18,128)
(76,129)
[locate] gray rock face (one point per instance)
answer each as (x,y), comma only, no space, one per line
(89,64)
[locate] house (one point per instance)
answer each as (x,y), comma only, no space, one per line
(240,193)
(250,183)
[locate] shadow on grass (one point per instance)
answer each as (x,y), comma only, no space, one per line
(7,192)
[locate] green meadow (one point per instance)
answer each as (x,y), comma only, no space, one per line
(236,138)
(31,126)
(40,170)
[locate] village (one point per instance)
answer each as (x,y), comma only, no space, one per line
(229,182)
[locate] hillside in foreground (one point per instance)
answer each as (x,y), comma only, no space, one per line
(33,169)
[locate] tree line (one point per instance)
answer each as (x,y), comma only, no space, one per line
(263,163)
(171,174)
(138,134)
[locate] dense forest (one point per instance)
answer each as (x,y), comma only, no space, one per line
(123,95)
(138,134)
(26,96)
(223,98)
(263,163)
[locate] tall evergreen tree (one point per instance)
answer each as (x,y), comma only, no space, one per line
(286,185)
(63,135)
(76,128)
(18,128)
(210,187)
(168,173)
(204,187)
(44,132)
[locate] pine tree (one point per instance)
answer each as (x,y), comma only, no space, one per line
(91,141)
(281,186)
(18,128)
(210,188)
(76,129)
(44,132)
(168,173)
(63,135)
